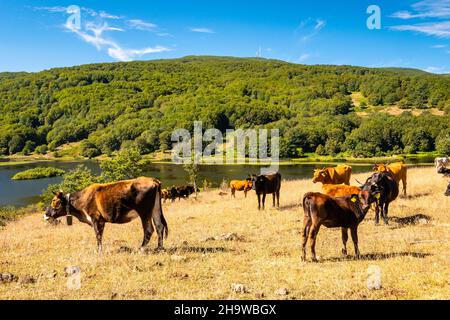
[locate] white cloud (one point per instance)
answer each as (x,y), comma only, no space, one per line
(309,28)
(142,25)
(426,9)
(201,30)
(52,9)
(304,57)
(106,15)
(130,54)
(114,50)
(438,29)
(436,70)
(439,46)
(320,24)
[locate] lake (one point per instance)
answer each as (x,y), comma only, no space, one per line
(22,193)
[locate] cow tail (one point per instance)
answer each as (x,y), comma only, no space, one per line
(158,207)
(307,204)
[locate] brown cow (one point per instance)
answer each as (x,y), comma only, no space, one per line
(237,185)
(119,203)
(398,171)
(338,190)
(338,175)
(342,212)
(166,195)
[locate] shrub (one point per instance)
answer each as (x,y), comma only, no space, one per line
(38,173)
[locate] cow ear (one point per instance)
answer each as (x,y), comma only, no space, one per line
(54,193)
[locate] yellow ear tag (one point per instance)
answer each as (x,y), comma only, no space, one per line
(354,199)
(377,196)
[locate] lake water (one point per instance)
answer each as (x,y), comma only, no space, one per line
(22,193)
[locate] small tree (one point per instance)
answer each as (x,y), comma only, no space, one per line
(75,180)
(128,164)
(192,171)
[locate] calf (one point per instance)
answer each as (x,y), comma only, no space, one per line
(338,190)
(387,190)
(237,185)
(267,184)
(342,212)
(118,203)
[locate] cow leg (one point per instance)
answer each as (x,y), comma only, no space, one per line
(278,199)
(344,240)
(159,230)
(99,227)
(273,197)
(264,201)
(354,233)
(377,213)
(404,187)
(312,238)
(148,231)
(259,201)
(385,213)
(245,193)
(233,193)
(306,228)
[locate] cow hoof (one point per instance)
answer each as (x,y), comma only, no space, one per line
(314,260)
(344,253)
(160,249)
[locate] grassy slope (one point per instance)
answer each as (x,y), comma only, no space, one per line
(414,257)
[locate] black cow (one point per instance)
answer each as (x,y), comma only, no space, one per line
(182,192)
(267,184)
(386,189)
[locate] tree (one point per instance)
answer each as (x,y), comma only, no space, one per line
(192,171)
(128,164)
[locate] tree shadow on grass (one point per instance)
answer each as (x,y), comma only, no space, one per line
(378,256)
(187,249)
(415,196)
(290,206)
(410,220)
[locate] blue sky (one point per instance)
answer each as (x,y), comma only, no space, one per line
(36,35)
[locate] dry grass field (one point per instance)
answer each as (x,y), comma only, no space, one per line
(412,252)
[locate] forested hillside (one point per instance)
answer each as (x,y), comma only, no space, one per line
(109,106)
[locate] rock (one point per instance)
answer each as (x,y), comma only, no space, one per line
(423,221)
(7,278)
(125,249)
(72,270)
(180,275)
(231,237)
(282,292)
(178,258)
(226,237)
(239,288)
(27,280)
(373,278)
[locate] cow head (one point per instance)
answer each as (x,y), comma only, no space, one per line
(320,175)
(447,193)
(58,207)
(380,167)
(258,181)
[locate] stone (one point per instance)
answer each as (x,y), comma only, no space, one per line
(27,280)
(282,292)
(238,288)
(8,278)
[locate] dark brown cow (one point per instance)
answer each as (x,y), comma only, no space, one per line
(267,184)
(119,203)
(342,212)
(447,193)
(387,191)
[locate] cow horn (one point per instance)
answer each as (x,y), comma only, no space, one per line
(359,182)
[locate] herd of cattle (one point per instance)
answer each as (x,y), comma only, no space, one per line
(339,206)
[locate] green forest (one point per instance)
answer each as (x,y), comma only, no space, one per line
(111,106)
